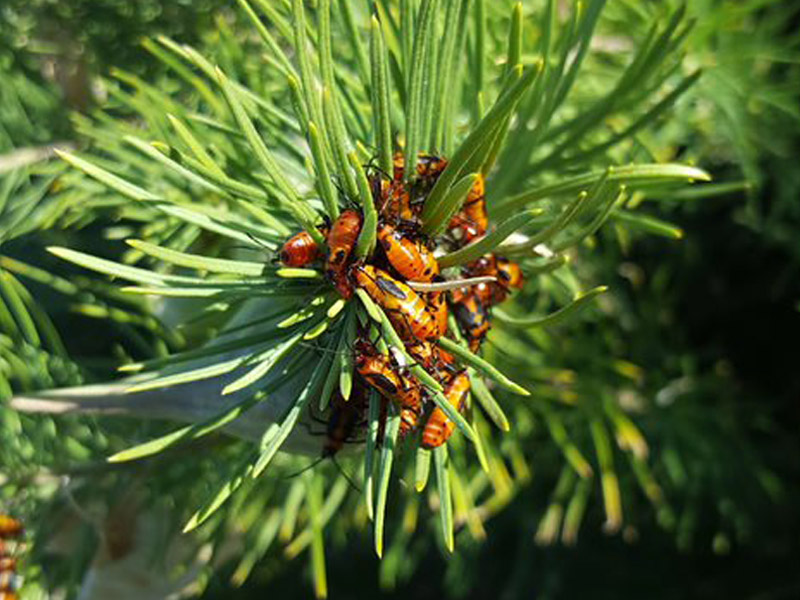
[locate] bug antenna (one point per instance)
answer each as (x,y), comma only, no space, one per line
(338,185)
(258,241)
(241,247)
(377,169)
(322,349)
(345,475)
(306,468)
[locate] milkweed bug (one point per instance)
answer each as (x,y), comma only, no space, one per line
(438,428)
(404,307)
(341,241)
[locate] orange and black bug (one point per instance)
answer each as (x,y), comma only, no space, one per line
(344,419)
(437,306)
(409,419)
(410,258)
(341,241)
(472,220)
(428,167)
(438,427)
(443,357)
(423,353)
(9,582)
(472,318)
(433,359)
(390,195)
(404,307)
(445,365)
(379,372)
(8,563)
(299,250)
(475,205)
(509,273)
(10,527)
(488,293)
(393,202)
(400,203)
(485,265)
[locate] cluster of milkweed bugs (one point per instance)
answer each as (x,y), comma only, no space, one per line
(10,532)
(405,256)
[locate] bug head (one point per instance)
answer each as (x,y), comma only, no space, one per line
(509,273)
(363,349)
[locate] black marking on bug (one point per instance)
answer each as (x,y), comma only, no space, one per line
(471,319)
(390,287)
(339,257)
(383,383)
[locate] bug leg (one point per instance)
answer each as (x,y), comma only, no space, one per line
(345,475)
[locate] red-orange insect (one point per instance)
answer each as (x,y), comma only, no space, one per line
(509,273)
(405,391)
(344,418)
(8,563)
(428,167)
(410,258)
(485,265)
(437,306)
(446,366)
(399,202)
(475,206)
(8,596)
(341,241)
(299,250)
(444,357)
(9,582)
(422,352)
(472,318)
(489,294)
(10,527)
(485,292)
(393,202)
(438,427)
(398,162)
(404,307)
(409,419)
(378,371)
(433,359)
(472,220)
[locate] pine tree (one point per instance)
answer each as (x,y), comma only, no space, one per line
(172,208)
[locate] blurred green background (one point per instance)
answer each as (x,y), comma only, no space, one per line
(712,320)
